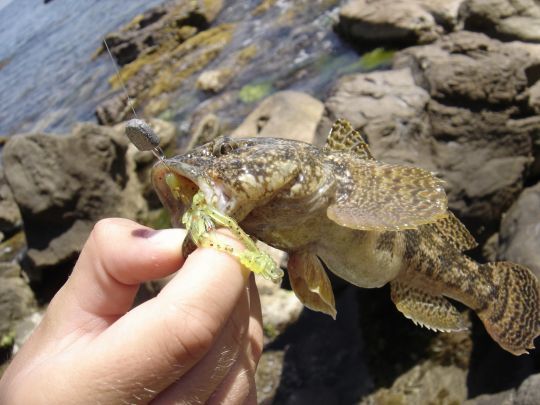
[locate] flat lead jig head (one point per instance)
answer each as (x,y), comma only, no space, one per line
(143,137)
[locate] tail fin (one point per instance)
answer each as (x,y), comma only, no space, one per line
(511,314)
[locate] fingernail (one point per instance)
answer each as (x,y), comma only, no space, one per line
(168,237)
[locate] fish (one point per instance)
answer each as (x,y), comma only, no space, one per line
(369,222)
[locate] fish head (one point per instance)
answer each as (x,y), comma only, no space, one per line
(235,175)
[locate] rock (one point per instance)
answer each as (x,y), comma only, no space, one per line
(503,19)
(323,356)
(404,22)
(280,308)
(16,302)
(162,55)
(456,107)
(427,383)
(500,398)
(13,248)
(528,392)
(390,110)
(10,217)
(268,375)
(205,130)
(520,231)
(470,69)
(64,184)
(159,25)
(445,12)
(286,114)
(24,329)
(213,80)
(490,248)
(534,97)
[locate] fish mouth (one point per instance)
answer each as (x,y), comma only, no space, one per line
(177,182)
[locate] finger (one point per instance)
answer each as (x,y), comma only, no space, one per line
(238,384)
(118,256)
(202,380)
(243,327)
(171,333)
(255,322)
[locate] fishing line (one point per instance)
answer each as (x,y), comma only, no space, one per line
(138,131)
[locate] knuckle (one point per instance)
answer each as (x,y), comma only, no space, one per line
(188,335)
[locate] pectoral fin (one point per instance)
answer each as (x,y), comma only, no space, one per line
(436,313)
(310,282)
(389,197)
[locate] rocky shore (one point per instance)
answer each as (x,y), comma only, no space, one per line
(460,96)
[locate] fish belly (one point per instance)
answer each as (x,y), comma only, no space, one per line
(357,257)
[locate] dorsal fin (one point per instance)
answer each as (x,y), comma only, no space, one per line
(343,137)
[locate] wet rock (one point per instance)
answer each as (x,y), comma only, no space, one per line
(182,51)
(427,383)
(63,184)
(405,22)
(503,19)
(16,302)
(520,231)
(457,107)
(150,30)
(528,392)
(10,217)
(286,114)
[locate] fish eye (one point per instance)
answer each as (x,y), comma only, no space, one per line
(223,147)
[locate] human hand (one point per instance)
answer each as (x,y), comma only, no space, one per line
(198,341)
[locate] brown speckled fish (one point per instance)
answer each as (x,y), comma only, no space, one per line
(370,222)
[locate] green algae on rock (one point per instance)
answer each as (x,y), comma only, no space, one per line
(164,70)
(253,92)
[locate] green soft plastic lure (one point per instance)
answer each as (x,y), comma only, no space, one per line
(201,218)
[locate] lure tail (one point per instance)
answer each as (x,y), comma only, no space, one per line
(511,310)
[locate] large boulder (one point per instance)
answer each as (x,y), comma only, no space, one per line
(457,107)
(519,236)
(63,184)
(403,21)
(390,110)
(503,19)
(286,114)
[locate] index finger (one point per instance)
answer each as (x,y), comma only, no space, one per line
(117,257)
(161,340)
